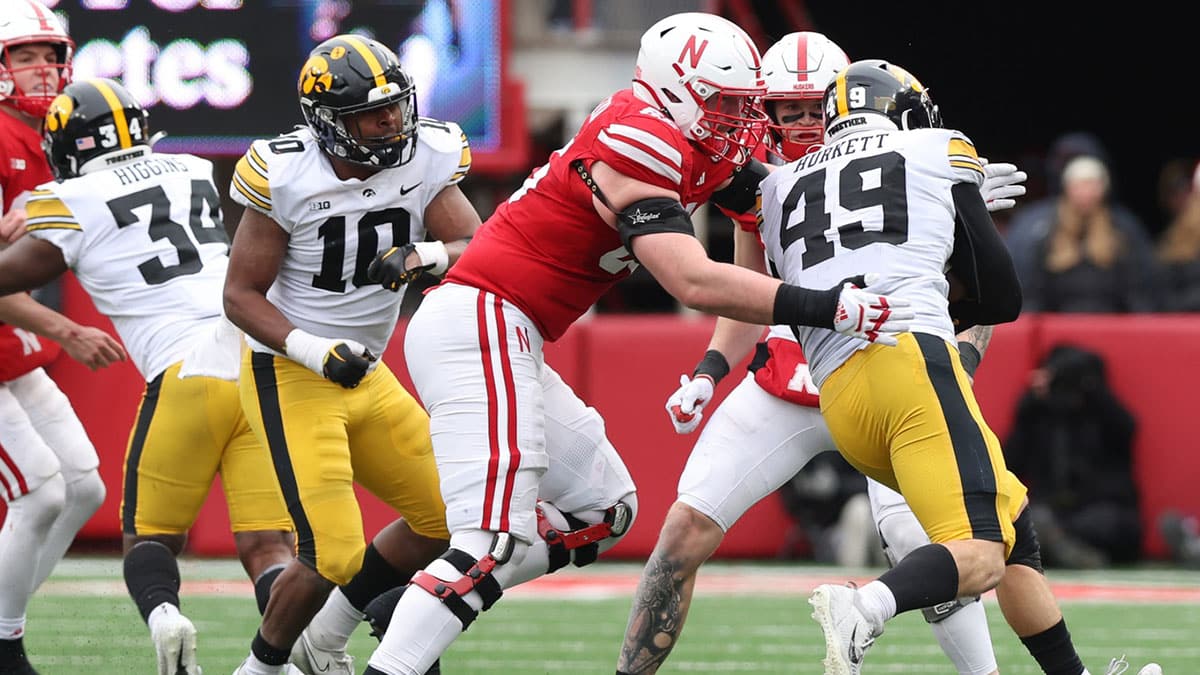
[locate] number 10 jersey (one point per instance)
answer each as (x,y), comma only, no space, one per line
(337,227)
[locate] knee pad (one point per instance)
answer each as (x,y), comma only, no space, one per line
(41,506)
(86,492)
(900,534)
(946,609)
(1026,550)
(476,576)
(570,539)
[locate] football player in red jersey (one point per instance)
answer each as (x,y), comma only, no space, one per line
(48,466)
(530,480)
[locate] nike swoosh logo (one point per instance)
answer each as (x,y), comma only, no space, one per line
(854,654)
(405,190)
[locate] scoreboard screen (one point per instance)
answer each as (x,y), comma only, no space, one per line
(217,74)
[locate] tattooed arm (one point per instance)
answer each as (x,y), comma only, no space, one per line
(972,343)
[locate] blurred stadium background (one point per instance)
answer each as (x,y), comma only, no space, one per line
(520,75)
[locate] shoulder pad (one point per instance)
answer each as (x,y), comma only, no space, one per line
(251,184)
(45,210)
(964,161)
(441,137)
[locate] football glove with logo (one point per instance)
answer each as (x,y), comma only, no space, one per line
(391,270)
(870,316)
(1001,185)
(685,407)
(343,361)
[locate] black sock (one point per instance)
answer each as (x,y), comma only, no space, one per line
(377,576)
(151,576)
(12,652)
(262,586)
(926,577)
(268,654)
(1054,651)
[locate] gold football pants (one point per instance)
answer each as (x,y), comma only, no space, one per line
(323,438)
(907,417)
(186,432)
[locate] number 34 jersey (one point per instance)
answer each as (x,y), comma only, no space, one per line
(874,201)
(337,227)
(146,241)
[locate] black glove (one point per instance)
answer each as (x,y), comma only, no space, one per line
(388,268)
(345,367)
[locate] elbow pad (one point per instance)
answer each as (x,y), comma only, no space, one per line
(648,216)
(741,193)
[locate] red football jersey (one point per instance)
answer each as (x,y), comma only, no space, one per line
(23,167)
(546,249)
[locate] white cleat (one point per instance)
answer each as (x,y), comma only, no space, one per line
(288,669)
(1119,665)
(848,634)
(175,643)
(312,660)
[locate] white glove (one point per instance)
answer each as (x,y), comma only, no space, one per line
(872,317)
(686,406)
(1001,183)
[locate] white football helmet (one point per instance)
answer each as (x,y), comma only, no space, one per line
(705,73)
(798,67)
(25,22)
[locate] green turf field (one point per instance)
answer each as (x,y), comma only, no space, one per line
(82,621)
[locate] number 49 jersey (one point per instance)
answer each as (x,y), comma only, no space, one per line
(337,227)
(146,241)
(874,201)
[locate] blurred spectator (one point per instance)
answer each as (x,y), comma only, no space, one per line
(1085,262)
(828,501)
(1072,445)
(1031,224)
(1182,535)
(1179,253)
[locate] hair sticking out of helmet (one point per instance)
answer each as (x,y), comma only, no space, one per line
(359,102)
(35,57)
(94,124)
(874,94)
(797,69)
(705,73)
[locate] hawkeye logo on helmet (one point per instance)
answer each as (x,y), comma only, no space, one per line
(315,76)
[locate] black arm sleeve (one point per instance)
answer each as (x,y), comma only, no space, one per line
(739,195)
(981,262)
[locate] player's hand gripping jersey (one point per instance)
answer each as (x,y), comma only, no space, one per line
(546,249)
(875,200)
(146,241)
(337,227)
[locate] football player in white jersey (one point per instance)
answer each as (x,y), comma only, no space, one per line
(143,234)
(770,425)
(365,176)
(893,192)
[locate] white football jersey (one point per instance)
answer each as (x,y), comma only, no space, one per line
(873,201)
(338,227)
(146,241)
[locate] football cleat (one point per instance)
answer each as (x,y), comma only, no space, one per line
(288,669)
(174,639)
(312,660)
(848,634)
